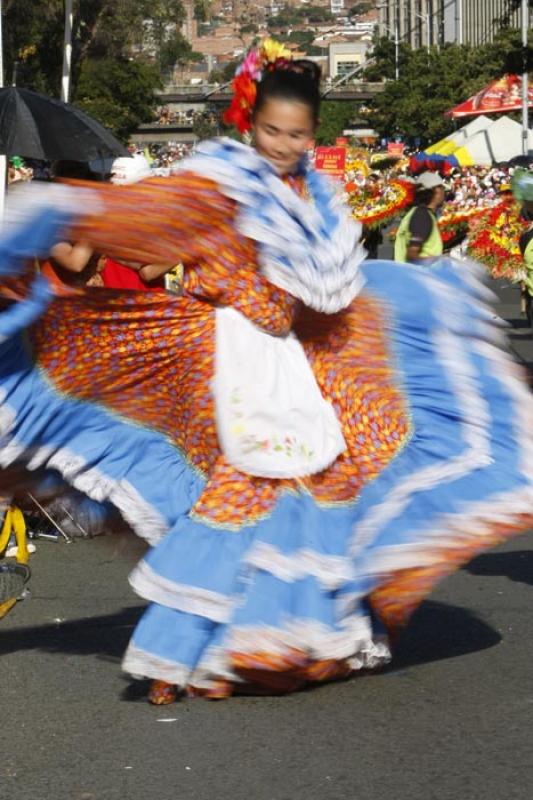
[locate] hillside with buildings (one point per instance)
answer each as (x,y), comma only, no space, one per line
(334,33)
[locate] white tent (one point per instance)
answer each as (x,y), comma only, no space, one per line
(478,124)
(500,141)
(457,138)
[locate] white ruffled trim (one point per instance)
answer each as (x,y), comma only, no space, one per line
(182,597)
(324,273)
(145,520)
(318,641)
(356,647)
(9,449)
(141,664)
(354,644)
(330,571)
(470,521)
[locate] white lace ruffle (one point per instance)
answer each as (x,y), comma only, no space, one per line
(326,275)
(141,664)
(330,571)
(191,599)
(315,641)
(471,520)
(145,520)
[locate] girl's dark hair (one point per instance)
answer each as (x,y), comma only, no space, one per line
(297,80)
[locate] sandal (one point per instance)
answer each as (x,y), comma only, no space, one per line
(162,693)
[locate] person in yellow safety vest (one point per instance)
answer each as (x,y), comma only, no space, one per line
(522,187)
(526,248)
(418,236)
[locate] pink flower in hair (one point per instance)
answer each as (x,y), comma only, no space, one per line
(251,65)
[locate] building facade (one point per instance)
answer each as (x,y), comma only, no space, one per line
(424,23)
(344,57)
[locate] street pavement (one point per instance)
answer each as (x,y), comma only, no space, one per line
(450,719)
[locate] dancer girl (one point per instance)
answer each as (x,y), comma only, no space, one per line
(309,442)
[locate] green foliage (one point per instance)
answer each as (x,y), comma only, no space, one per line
(335,116)
(202,10)
(33,35)
(176,49)
(305,37)
(432,83)
(33,40)
(360,8)
(120,48)
(226,74)
(119,93)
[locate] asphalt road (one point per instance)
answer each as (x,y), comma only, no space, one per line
(450,719)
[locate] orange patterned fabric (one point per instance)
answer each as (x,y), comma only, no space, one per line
(150,357)
(187,220)
(352,364)
(145,355)
(395,600)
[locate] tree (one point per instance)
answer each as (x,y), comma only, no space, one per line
(119,50)
(202,10)
(362,7)
(101,27)
(335,116)
(118,92)
(33,40)
(289,16)
(432,83)
(177,50)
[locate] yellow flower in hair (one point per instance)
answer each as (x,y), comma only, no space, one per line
(272,50)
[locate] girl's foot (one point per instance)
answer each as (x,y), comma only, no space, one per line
(162,693)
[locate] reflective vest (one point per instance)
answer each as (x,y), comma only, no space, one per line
(528,260)
(431,248)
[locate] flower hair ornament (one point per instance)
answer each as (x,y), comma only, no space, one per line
(268,55)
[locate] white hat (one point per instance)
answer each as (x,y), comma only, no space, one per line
(429,180)
(130,169)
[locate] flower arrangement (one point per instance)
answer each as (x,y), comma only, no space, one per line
(357,161)
(454,224)
(379,205)
(494,240)
(268,55)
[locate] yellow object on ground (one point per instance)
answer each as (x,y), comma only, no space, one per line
(14,523)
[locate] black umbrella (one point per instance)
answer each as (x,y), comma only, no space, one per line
(36,126)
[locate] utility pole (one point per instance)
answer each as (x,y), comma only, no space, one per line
(3,157)
(67,52)
(525,79)
(396,49)
(459,21)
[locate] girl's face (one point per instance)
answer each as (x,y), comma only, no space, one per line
(283,131)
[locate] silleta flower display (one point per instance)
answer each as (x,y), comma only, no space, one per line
(381,204)
(494,238)
(268,55)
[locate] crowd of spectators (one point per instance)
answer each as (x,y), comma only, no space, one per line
(163,157)
(473,187)
(165,116)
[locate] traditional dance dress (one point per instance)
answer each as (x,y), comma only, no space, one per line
(308,441)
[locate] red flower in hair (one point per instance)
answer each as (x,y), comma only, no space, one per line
(270,55)
(240,111)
